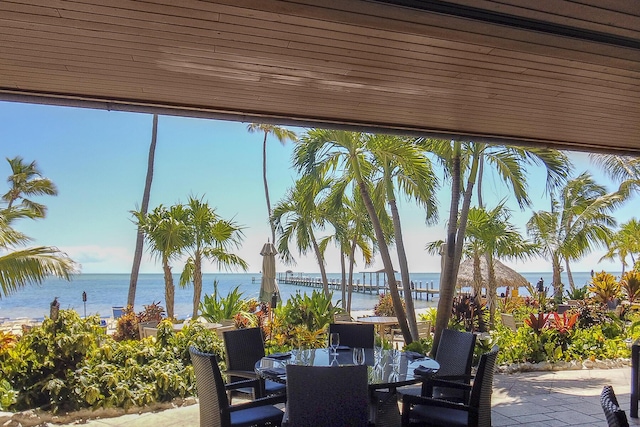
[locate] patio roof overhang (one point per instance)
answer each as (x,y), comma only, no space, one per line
(563,74)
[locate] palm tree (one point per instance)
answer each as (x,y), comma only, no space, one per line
(282,134)
(405,167)
(353,232)
(625,242)
(296,217)
(137,255)
(26,181)
(21,267)
(166,233)
(624,170)
(489,232)
(322,151)
(463,159)
(578,221)
(208,237)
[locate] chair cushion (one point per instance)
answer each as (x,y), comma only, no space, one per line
(272,387)
(258,415)
(445,417)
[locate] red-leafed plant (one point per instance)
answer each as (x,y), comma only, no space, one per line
(537,323)
(565,322)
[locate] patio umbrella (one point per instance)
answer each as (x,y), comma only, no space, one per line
(268,284)
(505,276)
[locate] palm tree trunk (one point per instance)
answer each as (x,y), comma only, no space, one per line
(557,279)
(323,272)
(343,279)
(447,280)
(266,187)
(137,255)
(169,288)
(197,282)
(492,289)
(386,261)
(572,284)
(404,269)
(352,256)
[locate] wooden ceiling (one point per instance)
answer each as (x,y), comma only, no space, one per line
(559,73)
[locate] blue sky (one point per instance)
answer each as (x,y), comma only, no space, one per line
(98,160)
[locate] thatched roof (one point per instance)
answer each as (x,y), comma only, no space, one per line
(505,276)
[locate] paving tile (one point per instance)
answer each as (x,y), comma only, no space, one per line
(573,417)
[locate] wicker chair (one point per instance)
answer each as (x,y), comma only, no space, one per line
(354,334)
(243,348)
(476,412)
(616,417)
(214,407)
(455,356)
(327,396)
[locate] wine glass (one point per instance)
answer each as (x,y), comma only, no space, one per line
(358,356)
(334,342)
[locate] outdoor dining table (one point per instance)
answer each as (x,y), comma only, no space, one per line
(385,374)
(380,322)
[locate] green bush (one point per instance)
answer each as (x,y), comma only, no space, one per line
(71,364)
(215,308)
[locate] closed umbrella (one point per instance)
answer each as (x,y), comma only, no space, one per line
(268,284)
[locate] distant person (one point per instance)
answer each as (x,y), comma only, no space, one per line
(540,285)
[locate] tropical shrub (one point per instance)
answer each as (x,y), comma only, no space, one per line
(71,364)
(630,283)
(384,307)
(42,363)
(604,287)
(127,326)
(304,318)
(578,294)
(153,312)
(215,307)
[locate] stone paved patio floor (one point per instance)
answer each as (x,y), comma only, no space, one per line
(534,399)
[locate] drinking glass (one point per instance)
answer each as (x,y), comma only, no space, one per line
(334,342)
(358,356)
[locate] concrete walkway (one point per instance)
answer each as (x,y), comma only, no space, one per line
(531,399)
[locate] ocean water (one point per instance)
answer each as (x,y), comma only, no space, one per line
(107,290)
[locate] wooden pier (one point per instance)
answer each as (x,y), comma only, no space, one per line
(418,291)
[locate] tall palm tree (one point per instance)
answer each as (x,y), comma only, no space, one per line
(26,180)
(578,221)
(491,234)
(166,233)
(297,216)
(404,167)
(462,160)
(353,232)
(321,151)
(212,238)
(625,242)
(282,134)
(137,255)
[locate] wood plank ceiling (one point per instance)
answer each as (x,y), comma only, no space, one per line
(561,73)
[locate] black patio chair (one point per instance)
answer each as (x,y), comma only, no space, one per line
(215,410)
(354,334)
(476,412)
(327,396)
(616,417)
(455,356)
(243,348)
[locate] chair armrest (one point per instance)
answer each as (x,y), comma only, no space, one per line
(242,374)
(254,383)
(437,382)
(429,384)
(263,401)
(410,399)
